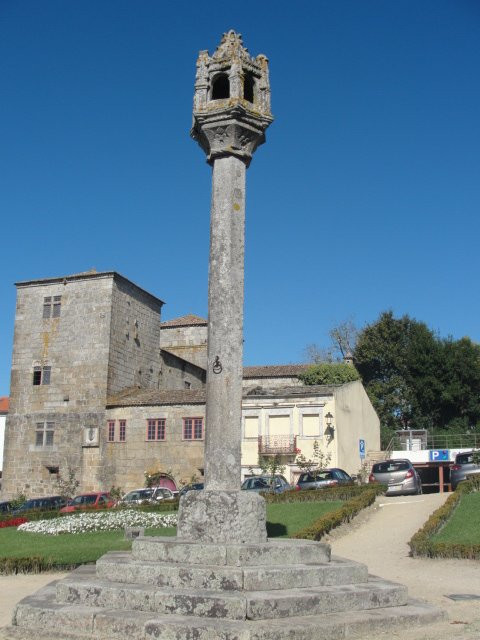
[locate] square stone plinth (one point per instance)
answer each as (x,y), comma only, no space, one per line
(222,516)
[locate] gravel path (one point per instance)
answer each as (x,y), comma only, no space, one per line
(378,538)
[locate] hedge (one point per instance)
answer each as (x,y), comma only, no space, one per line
(32,564)
(422,544)
(343,492)
(358,500)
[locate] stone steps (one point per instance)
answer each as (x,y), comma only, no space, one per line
(169,589)
(121,567)
(273,552)
(42,617)
(234,605)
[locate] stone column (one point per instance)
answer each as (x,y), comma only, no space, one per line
(229,130)
(225,326)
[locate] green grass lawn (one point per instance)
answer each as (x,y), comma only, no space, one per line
(66,549)
(284,519)
(464,525)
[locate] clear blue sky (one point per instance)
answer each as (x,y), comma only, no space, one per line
(365,197)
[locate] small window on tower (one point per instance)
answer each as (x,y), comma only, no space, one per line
(221,87)
(57,305)
(47,307)
(37,376)
(41,375)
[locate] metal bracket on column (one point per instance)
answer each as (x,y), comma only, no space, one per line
(217,365)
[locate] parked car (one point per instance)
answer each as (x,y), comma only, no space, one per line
(5,507)
(94,500)
(400,476)
(149,495)
(277,484)
(323,479)
(195,486)
(463,468)
(45,503)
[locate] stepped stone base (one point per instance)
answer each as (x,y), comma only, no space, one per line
(169,589)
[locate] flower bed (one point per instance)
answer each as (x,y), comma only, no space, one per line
(99,521)
(12,522)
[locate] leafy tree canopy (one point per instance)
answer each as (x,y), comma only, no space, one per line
(416,379)
(330,373)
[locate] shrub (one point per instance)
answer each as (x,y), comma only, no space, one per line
(343,492)
(422,544)
(360,498)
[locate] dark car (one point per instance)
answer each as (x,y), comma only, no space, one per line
(195,486)
(47,503)
(463,468)
(400,476)
(323,479)
(5,507)
(277,484)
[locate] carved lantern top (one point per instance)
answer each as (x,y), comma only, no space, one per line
(231,87)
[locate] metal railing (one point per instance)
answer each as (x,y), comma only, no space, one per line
(277,445)
(435,441)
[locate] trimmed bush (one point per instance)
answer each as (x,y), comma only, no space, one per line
(33,564)
(343,492)
(358,500)
(422,544)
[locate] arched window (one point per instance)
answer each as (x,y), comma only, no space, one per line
(248,87)
(221,87)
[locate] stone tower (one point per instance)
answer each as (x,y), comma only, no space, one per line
(230,115)
(78,339)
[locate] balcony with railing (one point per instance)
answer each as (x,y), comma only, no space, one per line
(277,445)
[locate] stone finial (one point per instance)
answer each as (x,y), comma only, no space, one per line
(231,107)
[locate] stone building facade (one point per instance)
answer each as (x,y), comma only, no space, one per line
(101,386)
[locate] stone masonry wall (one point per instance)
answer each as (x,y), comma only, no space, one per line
(177,373)
(189,343)
(128,461)
(134,358)
(75,345)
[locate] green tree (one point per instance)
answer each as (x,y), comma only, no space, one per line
(330,373)
(416,379)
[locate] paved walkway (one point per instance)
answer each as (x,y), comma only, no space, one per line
(380,540)
(381,543)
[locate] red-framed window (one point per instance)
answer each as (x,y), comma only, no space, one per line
(156,429)
(193,428)
(122,433)
(111,430)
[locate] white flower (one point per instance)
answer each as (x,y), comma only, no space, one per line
(100,521)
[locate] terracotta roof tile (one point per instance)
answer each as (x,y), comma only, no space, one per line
(4,403)
(135,397)
(184,321)
(275,371)
(148,397)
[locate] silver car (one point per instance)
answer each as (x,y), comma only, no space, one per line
(463,468)
(400,476)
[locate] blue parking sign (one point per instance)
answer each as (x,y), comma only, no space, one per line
(361,448)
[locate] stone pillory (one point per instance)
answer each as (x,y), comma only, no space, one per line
(220,579)
(230,114)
